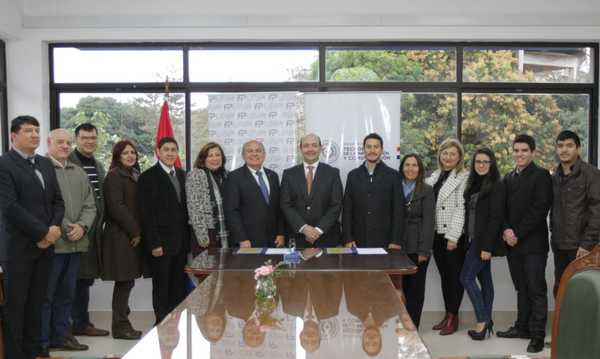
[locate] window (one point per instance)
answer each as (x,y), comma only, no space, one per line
(117,116)
(546,65)
(253,65)
(97,65)
(401,64)
(482,93)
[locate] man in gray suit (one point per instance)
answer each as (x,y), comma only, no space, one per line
(311,198)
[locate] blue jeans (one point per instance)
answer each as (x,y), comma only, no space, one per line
(56,309)
(482,298)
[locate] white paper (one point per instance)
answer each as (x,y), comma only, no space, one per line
(370,251)
(278,251)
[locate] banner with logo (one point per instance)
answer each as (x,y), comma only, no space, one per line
(342,120)
(269,117)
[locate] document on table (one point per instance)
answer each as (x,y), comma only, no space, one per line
(361,251)
(249,250)
(340,250)
(277,251)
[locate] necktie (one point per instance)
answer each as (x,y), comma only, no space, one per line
(309,179)
(175,183)
(37,171)
(263,186)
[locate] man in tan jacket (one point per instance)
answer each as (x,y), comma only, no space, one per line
(80,211)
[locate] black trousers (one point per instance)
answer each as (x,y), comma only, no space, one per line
(450,265)
(120,305)
(528,273)
(26,286)
(562,258)
(168,283)
(414,289)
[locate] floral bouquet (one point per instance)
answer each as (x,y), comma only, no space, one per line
(266,291)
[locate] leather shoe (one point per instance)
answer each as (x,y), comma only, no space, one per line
(441,324)
(514,332)
(43,354)
(451,325)
(70,344)
(536,345)
(128,334)
(90,331)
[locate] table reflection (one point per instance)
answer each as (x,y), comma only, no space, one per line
(314,315)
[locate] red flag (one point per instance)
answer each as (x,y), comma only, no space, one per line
(165,129)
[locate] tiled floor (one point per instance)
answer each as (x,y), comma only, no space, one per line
(453,345)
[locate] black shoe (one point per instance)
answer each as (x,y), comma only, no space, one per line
(127,334)
(70,344)
(536,345)
(43,354)
(514,332)
(488,329)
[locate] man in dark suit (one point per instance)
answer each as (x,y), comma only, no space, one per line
(525,231)
(373,202)
(33,209)
(311,198)
(252,201)
(165,232)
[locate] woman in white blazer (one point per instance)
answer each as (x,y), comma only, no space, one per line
(449,182)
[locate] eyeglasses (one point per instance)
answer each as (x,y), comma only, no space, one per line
(483,162)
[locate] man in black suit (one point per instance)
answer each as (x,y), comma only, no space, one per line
(252,201)
(525,231)
(33,209)
(165,232)
(311,198)
(373,201)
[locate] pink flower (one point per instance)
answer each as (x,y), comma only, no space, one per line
(263,271)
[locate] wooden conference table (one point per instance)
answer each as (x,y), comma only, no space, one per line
(330,306)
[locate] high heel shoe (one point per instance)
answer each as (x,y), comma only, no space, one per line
(487,331)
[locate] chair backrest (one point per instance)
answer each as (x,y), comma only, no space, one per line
(578,303)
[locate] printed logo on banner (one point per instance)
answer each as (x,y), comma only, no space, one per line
(272,115)
(330,151)
(290,105)
(259,123)
(227,106)
(290,140)
(290,123)
(273,132)
(228,124)
(211,133)
(242,115)
(330,328)
(273,150)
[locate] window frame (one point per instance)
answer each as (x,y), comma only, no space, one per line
(458,87)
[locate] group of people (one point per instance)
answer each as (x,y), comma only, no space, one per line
(65,216)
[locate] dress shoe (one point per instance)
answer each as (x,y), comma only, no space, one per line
(91,331)
(127,334)
(43,354)
(514,332)
(451,325)
(536,345)
(441,324)
(488,330)
(70,344)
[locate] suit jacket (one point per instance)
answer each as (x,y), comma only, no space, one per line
(248,215)
(528,200)
(319,209)
(325,293)
(163,216)
(368,293)
(29,209)
(373,213)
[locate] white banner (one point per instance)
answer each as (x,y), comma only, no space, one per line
(342,120)
(269,117)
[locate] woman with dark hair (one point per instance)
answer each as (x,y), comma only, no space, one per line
(417,242)
(122,255)
(484,202)
(204,188)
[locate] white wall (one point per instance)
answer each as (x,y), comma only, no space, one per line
(270,20)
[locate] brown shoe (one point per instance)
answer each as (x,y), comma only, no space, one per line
(451,325)
(441,324)
(91,331)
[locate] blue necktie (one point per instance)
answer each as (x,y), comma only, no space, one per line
(263,186)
